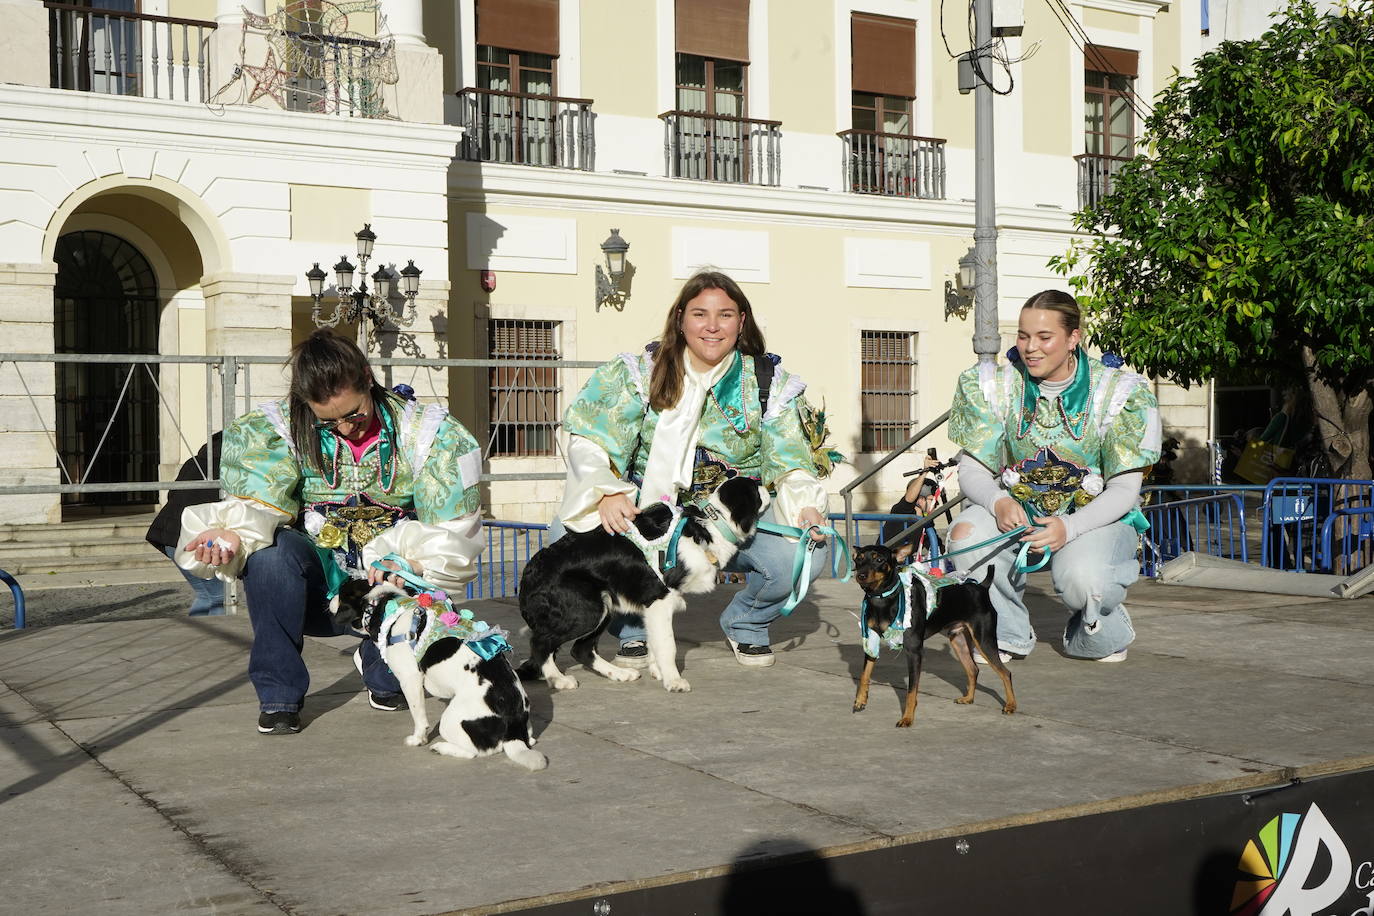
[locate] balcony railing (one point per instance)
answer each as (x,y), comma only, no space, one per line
(523,129)
(337,74)
(121,53)
(722,148)
(1095,173)
(898,165)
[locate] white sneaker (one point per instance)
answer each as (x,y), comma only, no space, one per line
(1119,656)
(1001,654)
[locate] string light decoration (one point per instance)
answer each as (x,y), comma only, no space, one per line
(316,62)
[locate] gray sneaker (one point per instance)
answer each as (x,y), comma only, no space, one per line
(753,656)
(634,653)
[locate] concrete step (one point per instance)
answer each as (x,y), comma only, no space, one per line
(84,531)
(94,547)
(145,558)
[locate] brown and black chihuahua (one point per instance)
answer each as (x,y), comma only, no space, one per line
(963,612)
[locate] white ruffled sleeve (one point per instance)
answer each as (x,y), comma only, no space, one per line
(589,479)
(798,490)
(446,551)
(255,523)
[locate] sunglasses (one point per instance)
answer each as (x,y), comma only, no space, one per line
(353,419)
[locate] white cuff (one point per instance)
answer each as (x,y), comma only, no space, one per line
(798,490)
(589,479)
(254,523)
(446,552)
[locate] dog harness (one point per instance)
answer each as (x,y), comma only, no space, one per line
(661,552)
(907,577)
(433,618)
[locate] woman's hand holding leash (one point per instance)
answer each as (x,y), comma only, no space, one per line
(1009,514)
(810,518)
(214,546)
(375,575)
(617,513)
(1050,533)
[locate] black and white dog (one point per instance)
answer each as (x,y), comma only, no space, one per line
(570,588)
(488,710)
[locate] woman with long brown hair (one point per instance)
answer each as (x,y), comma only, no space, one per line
(703,403)
(340,474)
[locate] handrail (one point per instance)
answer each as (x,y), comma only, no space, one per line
(124,14)
(717,117)
(477,90)
(879,133)
(1082,156)
(847,491)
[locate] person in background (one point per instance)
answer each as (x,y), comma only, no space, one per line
(165,531)
(922,495)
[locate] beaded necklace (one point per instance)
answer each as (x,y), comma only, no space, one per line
(386,456)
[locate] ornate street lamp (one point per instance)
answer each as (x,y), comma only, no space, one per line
(608,288)
(370,309)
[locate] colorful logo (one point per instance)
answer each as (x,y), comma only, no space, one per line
(1277,866)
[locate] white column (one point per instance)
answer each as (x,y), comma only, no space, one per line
(405,21)
(230,12)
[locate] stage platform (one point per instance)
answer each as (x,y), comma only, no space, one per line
(132,779)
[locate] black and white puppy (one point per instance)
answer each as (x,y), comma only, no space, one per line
(488,710)
(570,588)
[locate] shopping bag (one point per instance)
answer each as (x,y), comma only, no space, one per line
(1262,461)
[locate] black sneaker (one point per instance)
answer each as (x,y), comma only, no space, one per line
(279,723)
(633,654)
(753,656)
(387,702)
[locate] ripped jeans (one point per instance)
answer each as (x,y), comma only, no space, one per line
(1090,575)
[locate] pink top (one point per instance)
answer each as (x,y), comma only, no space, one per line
(374,432)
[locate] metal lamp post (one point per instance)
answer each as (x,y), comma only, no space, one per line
(369,308)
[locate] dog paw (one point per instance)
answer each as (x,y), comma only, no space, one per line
(904,722)
(654,672)
(415,741)
(617,673)
(1008,709)
(677,685)
(860,707)
(563,682)
(963,701)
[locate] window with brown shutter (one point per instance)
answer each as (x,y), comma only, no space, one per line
(883,55)
(520,25)
(713,28)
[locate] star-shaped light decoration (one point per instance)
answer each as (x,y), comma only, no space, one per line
(269,79)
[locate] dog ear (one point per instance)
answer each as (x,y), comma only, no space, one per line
(903,552)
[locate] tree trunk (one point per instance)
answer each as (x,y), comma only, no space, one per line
(1342,423)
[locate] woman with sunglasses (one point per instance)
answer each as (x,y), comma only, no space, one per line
(338,475)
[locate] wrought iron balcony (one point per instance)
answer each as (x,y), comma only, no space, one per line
(523,129)
(1095,174)
(122,53)
(898,165)
(722,148)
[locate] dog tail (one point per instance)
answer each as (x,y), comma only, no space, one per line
(987,580)
(522,754)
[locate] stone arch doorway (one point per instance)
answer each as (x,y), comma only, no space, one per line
(105,300)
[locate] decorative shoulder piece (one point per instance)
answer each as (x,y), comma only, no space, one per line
(404,391)
(1014,355)
(1112,361)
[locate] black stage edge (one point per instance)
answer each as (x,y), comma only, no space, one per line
(1305,848)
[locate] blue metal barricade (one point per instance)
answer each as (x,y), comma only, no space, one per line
(1303,518)
(509,547)
(18,594)
(1211,523)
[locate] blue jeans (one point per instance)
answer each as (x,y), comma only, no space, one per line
(766,560)
(285,588)
(209,600)
(1090,575)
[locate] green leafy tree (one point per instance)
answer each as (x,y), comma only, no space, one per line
(1244,240)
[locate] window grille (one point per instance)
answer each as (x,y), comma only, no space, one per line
(887,388)
(523,402)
